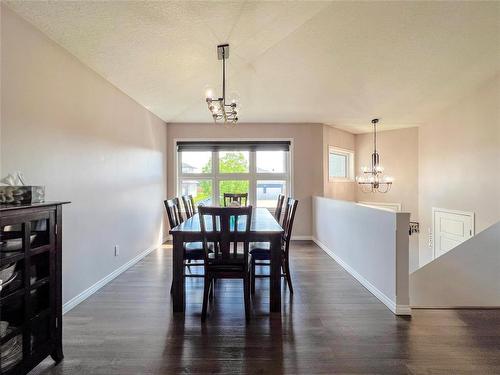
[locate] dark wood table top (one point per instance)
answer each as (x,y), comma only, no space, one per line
(262,222)
(10,207)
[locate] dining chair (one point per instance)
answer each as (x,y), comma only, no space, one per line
(173,212)
(189,206)
(279,207)
(225,226)
(260,251)
(241,198)
(193,251)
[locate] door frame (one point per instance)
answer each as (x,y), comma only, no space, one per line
(448,211)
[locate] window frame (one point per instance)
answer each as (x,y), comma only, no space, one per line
(252,176)
(349,167)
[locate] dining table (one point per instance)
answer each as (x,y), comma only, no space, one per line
(263,228)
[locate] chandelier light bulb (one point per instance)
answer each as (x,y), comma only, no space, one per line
(209,94)
(234,97)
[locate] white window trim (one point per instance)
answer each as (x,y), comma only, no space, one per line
(350,158)
(252,176)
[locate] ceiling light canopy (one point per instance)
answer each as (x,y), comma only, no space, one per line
(218,107)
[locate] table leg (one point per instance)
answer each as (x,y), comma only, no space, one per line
(275,285)
(178,292)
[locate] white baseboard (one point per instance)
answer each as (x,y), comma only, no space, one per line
(396,309)
(301,238)
(403,310)
(98,285)
(468,307)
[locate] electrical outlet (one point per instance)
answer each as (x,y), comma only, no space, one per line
(117,250)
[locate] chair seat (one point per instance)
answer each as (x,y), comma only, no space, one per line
(260,254)
(234,263)
(194,250)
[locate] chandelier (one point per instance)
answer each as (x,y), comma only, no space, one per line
(220,110)
(372,179)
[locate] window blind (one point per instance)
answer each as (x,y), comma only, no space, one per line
(233,145)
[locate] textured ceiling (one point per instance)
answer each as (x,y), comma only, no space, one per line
(338,63)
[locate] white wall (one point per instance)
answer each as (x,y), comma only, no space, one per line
(370,243)
(67,128)
(466,276)
(459,160)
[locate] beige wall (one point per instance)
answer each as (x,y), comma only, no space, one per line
(65,127)
(398,151)
(399,155)
(342,139)
(307,157)
(459,161)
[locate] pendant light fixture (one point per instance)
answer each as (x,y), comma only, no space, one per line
(372,180)
(219,109)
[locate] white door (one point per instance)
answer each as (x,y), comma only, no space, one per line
(451,228)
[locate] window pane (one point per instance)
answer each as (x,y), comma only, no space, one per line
(201,190)
(234,161)
(268,191)
(232,186)
(196,161)
(338,165)
(270,161)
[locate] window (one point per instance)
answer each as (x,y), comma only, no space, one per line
(196,162)
(271,162)
(268,191)
(234,161)
(340,164)
(232,186)
(201,190)
(207,175)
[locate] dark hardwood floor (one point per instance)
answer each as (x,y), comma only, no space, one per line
(331,325)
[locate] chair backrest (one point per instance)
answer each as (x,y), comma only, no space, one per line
(279,207)
(173,212)
(189,206)
(288,217)
(223,226)
(241,198)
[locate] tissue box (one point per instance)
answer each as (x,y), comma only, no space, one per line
(22,194)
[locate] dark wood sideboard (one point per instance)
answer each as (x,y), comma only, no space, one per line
(31,294)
